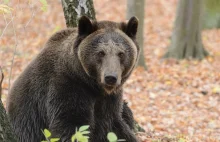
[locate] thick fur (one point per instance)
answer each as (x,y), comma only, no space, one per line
(60,89)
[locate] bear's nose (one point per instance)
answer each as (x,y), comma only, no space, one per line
(110,80)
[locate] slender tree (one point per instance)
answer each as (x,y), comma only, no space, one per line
(6,134)
(73,9)
(136,8)
(186,38)
(212,14)
(1,80)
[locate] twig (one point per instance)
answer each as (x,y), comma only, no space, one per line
(2,77)
(32,15)
(7,23)
(15,49)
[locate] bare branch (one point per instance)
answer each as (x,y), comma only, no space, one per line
(1,80)
(15,49)
(32,15)
(7,24)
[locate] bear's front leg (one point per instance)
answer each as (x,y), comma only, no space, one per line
(108,118)
(120,128)
(68,108)
(127,115)
(123,131)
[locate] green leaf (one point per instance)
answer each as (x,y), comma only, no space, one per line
(54,139)
(4,9)
(213,6)
(83,128)
(44,5)
(79,137)
(86,137)
(43,141)
(83,139)
(112,137)
(181,140)
(73,138)
(57,28)
(47,133)
(85,132)
(6,1)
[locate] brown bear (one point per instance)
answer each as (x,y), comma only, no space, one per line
(77,80)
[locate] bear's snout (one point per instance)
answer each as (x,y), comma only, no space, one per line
(110,79)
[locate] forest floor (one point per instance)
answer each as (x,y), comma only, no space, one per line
(174,101)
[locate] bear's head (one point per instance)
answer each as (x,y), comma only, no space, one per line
(108,51)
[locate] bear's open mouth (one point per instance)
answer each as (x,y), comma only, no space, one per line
(109,88)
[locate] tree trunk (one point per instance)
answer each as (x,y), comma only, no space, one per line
(211,20)
(136,8)
(73,9)
(1,80)
(186,38)
(6,134)
(211,14)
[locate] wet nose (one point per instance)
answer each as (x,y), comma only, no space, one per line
(110,79)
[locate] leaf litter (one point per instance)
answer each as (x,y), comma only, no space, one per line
(174,101)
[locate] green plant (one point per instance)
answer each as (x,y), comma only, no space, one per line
(113,138)
(47,135)
(80,136)
(4,9)
(182,140)
(44,5)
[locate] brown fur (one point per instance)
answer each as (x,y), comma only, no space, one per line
(62,89)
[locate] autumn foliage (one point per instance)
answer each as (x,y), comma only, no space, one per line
(172,100)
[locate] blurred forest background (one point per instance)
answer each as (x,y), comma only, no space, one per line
(173,100)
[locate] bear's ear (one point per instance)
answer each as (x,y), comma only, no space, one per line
(131,27)
(85,26)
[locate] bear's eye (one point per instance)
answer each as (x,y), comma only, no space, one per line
(101,54)
(121,54)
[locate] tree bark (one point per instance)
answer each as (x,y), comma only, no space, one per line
(1,80)
(211,14)
(136,8)
(6,133)
(211,20)
(186,38)
(73,9)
